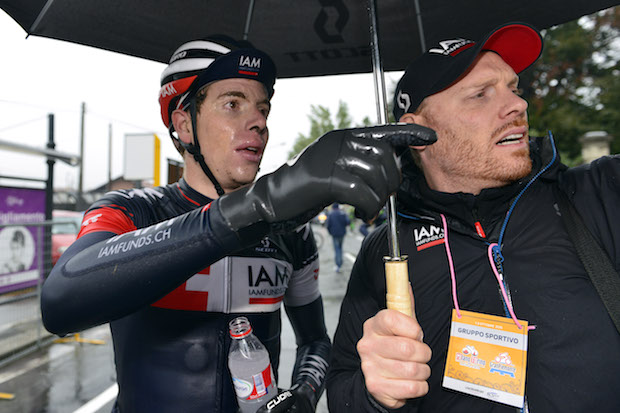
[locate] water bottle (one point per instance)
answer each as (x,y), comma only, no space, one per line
(250,369)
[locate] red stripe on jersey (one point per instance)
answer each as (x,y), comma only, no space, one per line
(265,300)
(186,197)
(106,218)
(181,299)
(430,244)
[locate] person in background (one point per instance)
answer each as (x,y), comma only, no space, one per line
(337,223)
(488,251)
(377,221)
(364,228)
(169,267)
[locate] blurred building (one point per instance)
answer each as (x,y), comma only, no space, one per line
(595,144)
(70,199)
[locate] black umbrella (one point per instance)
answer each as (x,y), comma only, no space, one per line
(304,37)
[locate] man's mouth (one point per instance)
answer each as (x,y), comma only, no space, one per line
(511,139)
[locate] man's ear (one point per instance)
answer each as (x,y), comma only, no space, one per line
(408,118)
(182,122)
(413,118)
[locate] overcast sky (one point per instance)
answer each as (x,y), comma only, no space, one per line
(40,76)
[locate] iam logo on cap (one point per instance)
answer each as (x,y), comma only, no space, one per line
(452,47)
(249,65)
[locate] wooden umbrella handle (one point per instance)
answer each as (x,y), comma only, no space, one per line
(397,283)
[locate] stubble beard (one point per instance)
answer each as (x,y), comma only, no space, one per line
(462,159)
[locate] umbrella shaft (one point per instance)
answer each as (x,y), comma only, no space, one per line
(377,69)
(391,221)
(382,117)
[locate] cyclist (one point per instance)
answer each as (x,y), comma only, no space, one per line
(169,267)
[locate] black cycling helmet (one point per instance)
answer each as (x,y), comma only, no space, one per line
(198,63)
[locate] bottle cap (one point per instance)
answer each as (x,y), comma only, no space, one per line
(239,327)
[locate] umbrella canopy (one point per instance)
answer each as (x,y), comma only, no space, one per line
(305,38)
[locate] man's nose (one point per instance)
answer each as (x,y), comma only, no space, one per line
(258,121)
(514,104)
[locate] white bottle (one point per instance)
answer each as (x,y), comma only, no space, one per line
(250,369)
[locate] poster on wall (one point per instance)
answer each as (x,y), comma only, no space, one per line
(21,246)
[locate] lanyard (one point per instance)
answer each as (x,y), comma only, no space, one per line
(493,248)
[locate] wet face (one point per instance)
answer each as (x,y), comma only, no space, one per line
(232,130)
(482,130)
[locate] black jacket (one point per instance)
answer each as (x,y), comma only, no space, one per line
(574,352)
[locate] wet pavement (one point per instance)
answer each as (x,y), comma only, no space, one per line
(79,377)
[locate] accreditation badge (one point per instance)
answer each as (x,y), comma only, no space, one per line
(487,357)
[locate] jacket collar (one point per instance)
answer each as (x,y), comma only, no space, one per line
(416,200)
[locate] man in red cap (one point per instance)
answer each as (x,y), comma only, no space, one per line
(505,313)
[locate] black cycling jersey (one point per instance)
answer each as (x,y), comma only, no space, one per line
(160,265)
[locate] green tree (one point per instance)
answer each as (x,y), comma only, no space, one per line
(573,87)
(321,122)
(607,102)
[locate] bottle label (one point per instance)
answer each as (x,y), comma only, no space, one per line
(243,388)
(256,388)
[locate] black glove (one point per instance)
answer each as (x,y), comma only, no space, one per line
(299,399)
(351,166)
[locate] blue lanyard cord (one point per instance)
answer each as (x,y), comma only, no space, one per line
(497,250)
(498,258)
(514,203)
(400,214)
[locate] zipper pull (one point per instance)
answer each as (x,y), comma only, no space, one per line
(479,229)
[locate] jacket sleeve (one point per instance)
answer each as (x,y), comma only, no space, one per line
(594,189)
(365,296)
(106,275)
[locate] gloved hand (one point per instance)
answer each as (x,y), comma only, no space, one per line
(350,166)
(299,399)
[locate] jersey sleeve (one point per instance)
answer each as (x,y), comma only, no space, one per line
(111,218)
(112,271)
(303,287)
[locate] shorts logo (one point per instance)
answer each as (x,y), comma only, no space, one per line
(426,237)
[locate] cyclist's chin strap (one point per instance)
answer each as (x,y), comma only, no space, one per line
(194,149)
